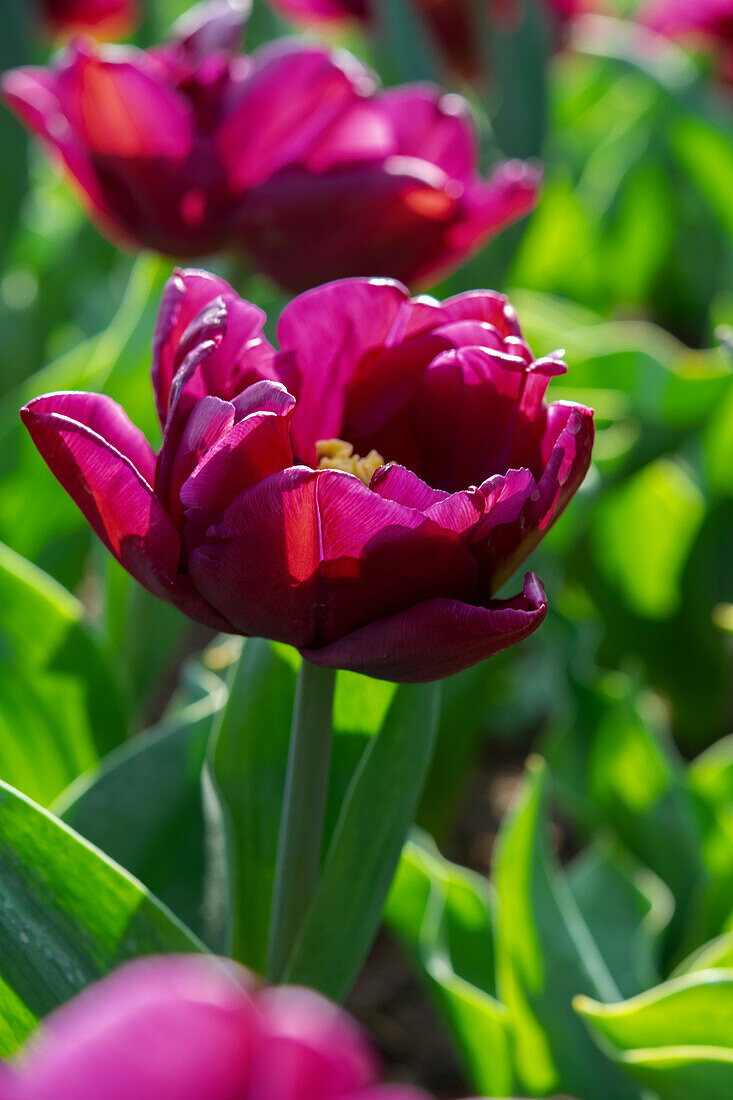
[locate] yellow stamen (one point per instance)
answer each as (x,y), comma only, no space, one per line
(337,454)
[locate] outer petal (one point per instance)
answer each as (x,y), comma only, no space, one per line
(432,126)
(330,330)
(311,1050)
(102,17)
(243,355)
(359,219)
(307,556)
(327,11)
(569,440)
(293,95)
(174,1028)
(436,638)
(113,495)
(215,26)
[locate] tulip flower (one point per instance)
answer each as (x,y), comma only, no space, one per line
(195,1028)
(105,18)
(709,21)
(292,156)
(362,494)
(451,22)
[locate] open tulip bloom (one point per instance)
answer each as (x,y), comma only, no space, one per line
(194,1028)
(291,155)
(361,494)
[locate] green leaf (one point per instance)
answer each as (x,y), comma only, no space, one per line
(441,914)
(406,48)
(717,954)
(151,808)
(693,1010)
(625,907)
(250,751)
(68,915)
(365,848)
(61,707)
(705,1073)
(518,61)
(545,957)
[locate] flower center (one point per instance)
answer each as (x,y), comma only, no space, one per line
(337,454)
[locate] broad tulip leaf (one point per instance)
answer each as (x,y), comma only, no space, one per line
(441,914)
(626,907)
(61,707)
(249,757)
(695,1010)
(676,1039)
(681,1073)
(364,851)
(68,915)
(717,954)
(151,808)
(545,957)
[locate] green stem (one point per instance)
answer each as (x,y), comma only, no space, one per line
(304,811)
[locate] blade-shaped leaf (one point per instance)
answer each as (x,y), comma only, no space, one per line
(441,914)
(365,848)
(545,956)
(151,808)
(60,704)
(68,915)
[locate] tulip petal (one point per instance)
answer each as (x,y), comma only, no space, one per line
(119,108)
(327,553)
(115,498)
(432,126)
(436,638)
(330,329)
(293,95)
(308,1040)
(569,434)
(176,1028)
(243,355)
(211,28)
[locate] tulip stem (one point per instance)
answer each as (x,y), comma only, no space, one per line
(304,811)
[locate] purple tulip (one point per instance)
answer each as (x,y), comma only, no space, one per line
(291,155)
(188,1028)
(106,18)
(361,494)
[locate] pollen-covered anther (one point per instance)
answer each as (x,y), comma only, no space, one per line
(337,454)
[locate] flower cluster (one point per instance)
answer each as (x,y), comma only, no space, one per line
(188,1028)
(291,155)
(362,493)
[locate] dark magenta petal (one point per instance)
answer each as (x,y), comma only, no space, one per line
(432,126)
(120,108)
(329,554)
(291,98)
(242,356)
(458,512)
(113,495)
(330,330)
(256,446)
(569,440)
(484,305)
(392,215)
(102,17)
(176,1028)
(311,1050)
(107,419)
(436,638)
